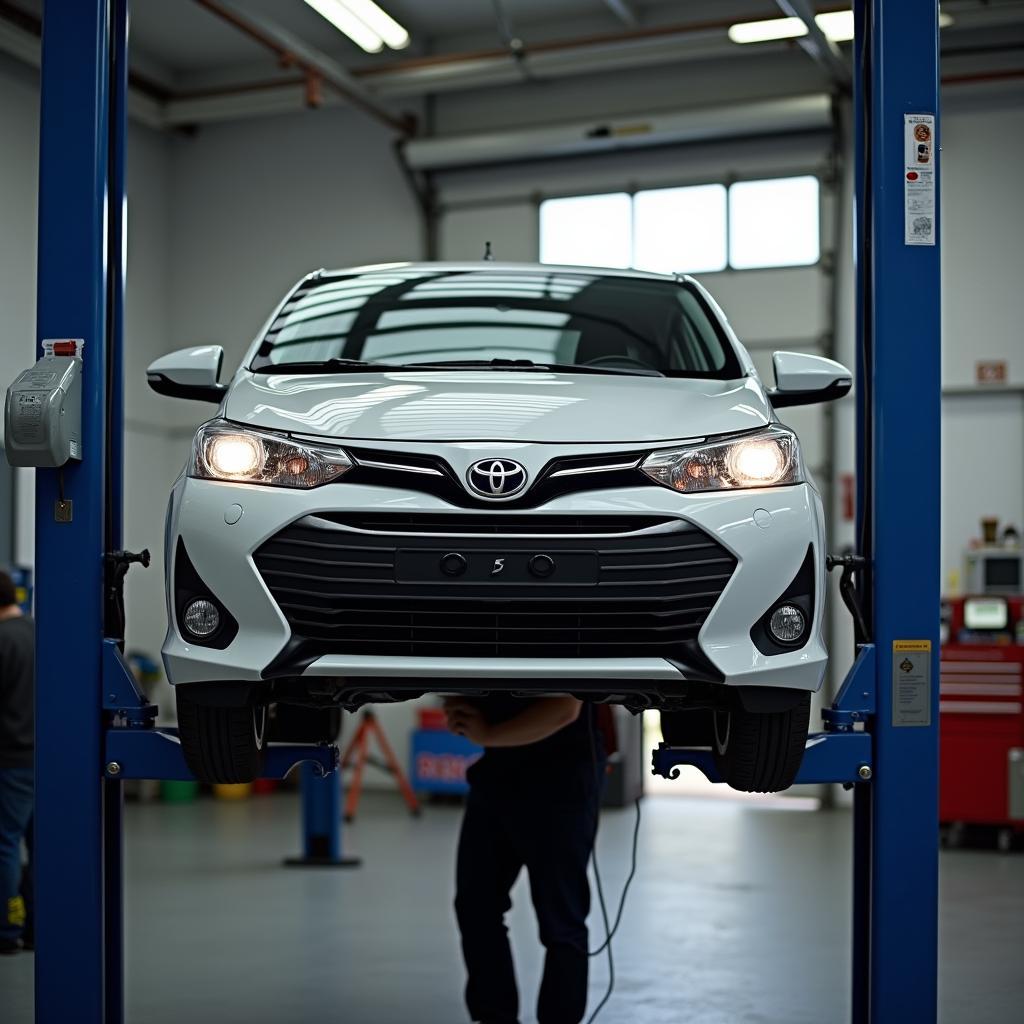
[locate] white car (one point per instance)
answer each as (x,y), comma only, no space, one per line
(464,478)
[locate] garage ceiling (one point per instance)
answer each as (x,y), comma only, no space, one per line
(184,52)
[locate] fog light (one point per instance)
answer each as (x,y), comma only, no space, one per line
(202,618)
(787,623)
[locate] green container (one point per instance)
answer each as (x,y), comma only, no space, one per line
(178,792)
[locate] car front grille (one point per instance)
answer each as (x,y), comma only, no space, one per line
(654,581)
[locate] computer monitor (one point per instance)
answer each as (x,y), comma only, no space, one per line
(995,571)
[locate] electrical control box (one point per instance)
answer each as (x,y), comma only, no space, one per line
(43,411)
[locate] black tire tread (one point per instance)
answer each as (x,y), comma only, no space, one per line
(218,742)
(765,750)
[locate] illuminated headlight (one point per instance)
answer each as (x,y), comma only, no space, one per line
(224,451)
(765,459)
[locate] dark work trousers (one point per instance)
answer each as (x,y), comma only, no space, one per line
(546,826)
(15,817)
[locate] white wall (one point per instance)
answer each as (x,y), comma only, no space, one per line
(982,313)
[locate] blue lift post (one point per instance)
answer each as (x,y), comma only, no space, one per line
(900,500)
(94,729)
(76,938)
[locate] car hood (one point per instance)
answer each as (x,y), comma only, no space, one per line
(491,405)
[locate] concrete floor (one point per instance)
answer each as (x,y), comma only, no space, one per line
(739,914)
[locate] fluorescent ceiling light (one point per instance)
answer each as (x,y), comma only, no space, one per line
(765,31)
(345,21)
(379,21)
(836,26)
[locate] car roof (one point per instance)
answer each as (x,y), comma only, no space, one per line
(493,265)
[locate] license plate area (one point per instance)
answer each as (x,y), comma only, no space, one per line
(454,565)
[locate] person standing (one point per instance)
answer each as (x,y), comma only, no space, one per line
(17,746)
(533,802)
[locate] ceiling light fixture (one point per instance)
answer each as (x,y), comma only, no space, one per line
(369,27)
(379,21)
(766,31)
(836,25)
(345,21)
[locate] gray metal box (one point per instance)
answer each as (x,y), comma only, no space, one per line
(43,413)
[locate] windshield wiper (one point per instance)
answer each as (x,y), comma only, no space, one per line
(530,365)
(335,365)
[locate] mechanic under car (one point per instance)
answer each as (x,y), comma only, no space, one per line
(533,802)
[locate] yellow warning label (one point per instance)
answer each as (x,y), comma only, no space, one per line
(911,645)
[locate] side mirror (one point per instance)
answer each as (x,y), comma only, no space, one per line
(189,373)
(802,379)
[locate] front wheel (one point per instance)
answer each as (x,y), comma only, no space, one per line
(761,752)
(222,744)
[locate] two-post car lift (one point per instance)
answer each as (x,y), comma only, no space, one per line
(93,729)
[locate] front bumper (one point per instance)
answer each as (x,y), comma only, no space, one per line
(768,531)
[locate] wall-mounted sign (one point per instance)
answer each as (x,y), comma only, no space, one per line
(991,371)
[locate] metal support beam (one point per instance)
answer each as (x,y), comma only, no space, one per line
(623,10)
(815,44)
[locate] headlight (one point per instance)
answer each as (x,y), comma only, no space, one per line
(766,459)
(223,451)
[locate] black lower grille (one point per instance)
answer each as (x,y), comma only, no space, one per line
(339,589)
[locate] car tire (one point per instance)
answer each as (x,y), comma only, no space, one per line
(760,752)
(222,744)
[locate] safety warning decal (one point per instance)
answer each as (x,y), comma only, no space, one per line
(911,682)
(919,152)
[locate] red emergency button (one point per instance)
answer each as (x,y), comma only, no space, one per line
(912,175)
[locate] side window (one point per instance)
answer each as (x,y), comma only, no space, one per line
(697,337)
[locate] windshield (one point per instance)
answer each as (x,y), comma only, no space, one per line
(416,315)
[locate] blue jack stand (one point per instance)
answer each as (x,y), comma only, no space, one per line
(321,822)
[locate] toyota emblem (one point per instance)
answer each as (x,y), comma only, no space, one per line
(496,478)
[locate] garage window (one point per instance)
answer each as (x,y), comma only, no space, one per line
(698,229)
(587,231)
(774,223)
(680,230)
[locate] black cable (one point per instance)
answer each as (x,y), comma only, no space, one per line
(597,878)
(609,931)
(628,883)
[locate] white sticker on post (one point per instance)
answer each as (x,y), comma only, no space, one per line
(919,156)
(63,347)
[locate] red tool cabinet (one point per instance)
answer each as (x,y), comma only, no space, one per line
(982,715)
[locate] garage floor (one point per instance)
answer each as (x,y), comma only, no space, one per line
(739,914)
